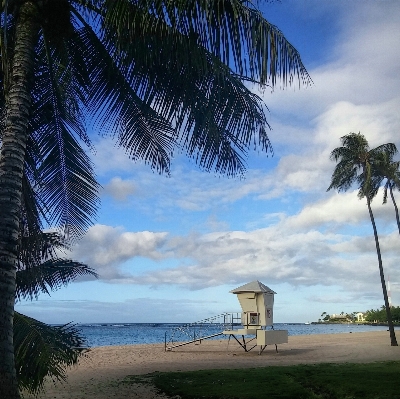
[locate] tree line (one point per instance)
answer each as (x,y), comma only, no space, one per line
(370,316)
(380,315)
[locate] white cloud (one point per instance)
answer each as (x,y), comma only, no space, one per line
(119,189)
(309,168)
(106,248)
(363,64)
(302,250)
(340,210)
(109,157)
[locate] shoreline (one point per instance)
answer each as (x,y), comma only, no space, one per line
(98,373)
(396,328)
(146,334)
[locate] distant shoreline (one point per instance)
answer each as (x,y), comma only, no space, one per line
(364,323)
(115,334)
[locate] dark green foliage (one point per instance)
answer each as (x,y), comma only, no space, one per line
(50,276)
(328,381)
(357,165)
(43,351)
(40,267)
(380,315)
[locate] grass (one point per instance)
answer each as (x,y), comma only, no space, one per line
(324,381)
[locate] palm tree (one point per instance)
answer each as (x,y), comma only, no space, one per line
(387,168)
(158,75)
(355,164)
(42,350)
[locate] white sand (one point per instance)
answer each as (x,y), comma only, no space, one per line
(96,375)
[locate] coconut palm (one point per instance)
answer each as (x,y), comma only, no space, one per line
(42,350)
(387,168)
(158,75)
(355,164)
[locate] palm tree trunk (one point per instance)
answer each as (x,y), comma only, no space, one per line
(395,206)
(393,341)
(18,104)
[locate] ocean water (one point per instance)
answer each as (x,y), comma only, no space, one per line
(150,333)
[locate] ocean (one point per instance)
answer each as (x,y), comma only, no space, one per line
(105,334)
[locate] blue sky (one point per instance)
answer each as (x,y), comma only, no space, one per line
(171,249)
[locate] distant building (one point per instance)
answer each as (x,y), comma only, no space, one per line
(360,316)
(338,316)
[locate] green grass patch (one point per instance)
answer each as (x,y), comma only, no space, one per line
(325,381)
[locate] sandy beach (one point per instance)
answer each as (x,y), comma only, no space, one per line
(98,375)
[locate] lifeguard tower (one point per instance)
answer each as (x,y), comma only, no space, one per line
(257,303)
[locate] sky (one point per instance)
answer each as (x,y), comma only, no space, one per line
(169,249)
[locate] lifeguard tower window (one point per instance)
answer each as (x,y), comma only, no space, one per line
(253,319)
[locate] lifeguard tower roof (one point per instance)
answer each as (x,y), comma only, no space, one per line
(254,286)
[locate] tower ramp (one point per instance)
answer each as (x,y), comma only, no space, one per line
(195,333)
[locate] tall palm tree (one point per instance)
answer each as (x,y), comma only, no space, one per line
(355,164)
(158,75)
(42,350)
(387,168)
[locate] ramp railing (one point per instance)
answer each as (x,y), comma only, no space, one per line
(201,330)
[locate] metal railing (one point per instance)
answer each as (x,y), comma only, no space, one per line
(201,330)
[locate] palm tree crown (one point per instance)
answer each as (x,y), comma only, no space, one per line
(387,168)
(356,164)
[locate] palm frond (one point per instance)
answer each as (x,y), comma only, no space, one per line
(145,134)
(355,142)
(47,276)
(60,172)
(35,248)
(68,185)
(188,87)
(44,351)
(232,30)
(389,150)
(384,164)
(344,176)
